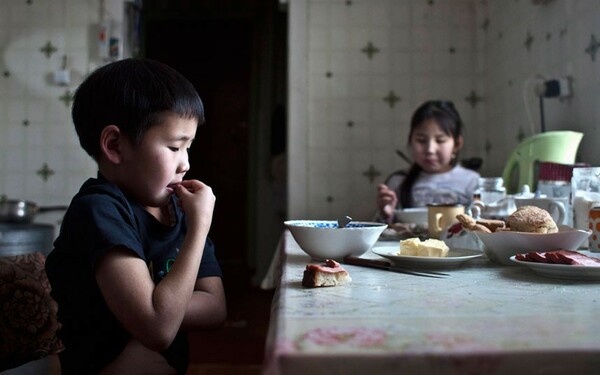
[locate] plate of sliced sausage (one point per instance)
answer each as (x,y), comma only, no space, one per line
(562,264)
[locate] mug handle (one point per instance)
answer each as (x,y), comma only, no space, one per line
(438,218)
(475,211)
(560,207)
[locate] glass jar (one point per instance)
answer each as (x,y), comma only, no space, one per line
(585,194)
(490,190)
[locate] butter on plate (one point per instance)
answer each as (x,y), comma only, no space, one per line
(428,248)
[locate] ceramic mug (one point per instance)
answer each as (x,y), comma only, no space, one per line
(557,207)
(440,216)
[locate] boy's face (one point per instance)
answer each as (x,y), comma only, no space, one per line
(159,161)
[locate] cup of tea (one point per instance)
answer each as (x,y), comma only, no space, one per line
(440,216)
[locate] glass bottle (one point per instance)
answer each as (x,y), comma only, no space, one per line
(490,190)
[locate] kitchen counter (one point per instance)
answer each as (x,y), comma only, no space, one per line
(483,318)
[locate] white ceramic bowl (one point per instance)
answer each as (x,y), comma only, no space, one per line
(417,215)
(500,246)
(322,239)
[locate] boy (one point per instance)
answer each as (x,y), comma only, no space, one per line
(129,271)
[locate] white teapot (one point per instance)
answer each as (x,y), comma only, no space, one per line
(500,209)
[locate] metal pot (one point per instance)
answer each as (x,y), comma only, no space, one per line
(21,211)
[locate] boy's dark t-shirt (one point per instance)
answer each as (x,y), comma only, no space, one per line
(99,218)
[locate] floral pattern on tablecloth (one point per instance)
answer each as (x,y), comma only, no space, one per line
(349,337)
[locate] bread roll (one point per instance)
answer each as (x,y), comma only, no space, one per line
(531,219)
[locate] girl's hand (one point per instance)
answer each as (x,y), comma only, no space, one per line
(197,201)
(386,201)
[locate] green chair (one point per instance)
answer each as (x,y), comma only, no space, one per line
(554,146)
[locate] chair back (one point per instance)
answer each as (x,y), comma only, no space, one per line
(553,146)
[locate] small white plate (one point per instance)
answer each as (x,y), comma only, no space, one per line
(455,258)
(563,271)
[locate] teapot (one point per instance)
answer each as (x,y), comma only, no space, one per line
(499,210)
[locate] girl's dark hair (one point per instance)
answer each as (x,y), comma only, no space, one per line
(132,94)
(446,116)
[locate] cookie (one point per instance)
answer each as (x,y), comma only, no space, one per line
(467,221)
(491,224)
(481,228)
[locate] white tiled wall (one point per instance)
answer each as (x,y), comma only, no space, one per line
(425,51)
(35,124)
(428,49)
(561,32)
(327,157)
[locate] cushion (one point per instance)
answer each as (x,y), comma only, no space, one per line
(28,323)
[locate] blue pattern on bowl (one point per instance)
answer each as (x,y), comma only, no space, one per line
(331,224)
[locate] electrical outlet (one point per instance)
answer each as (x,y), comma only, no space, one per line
(565,87)
(557,88)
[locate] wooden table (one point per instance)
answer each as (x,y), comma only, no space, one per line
(482,319)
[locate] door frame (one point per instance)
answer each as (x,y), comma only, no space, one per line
(268,89)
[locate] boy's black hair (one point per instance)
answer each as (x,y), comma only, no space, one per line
(132,94)
(447,117)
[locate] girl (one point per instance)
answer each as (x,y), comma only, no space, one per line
(435,176)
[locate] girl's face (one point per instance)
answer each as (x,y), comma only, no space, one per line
(159,161)
(432,149)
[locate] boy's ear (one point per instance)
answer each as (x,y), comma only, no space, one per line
(110,144)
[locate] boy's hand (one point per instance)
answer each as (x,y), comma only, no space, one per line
(197,201)
(386,201)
